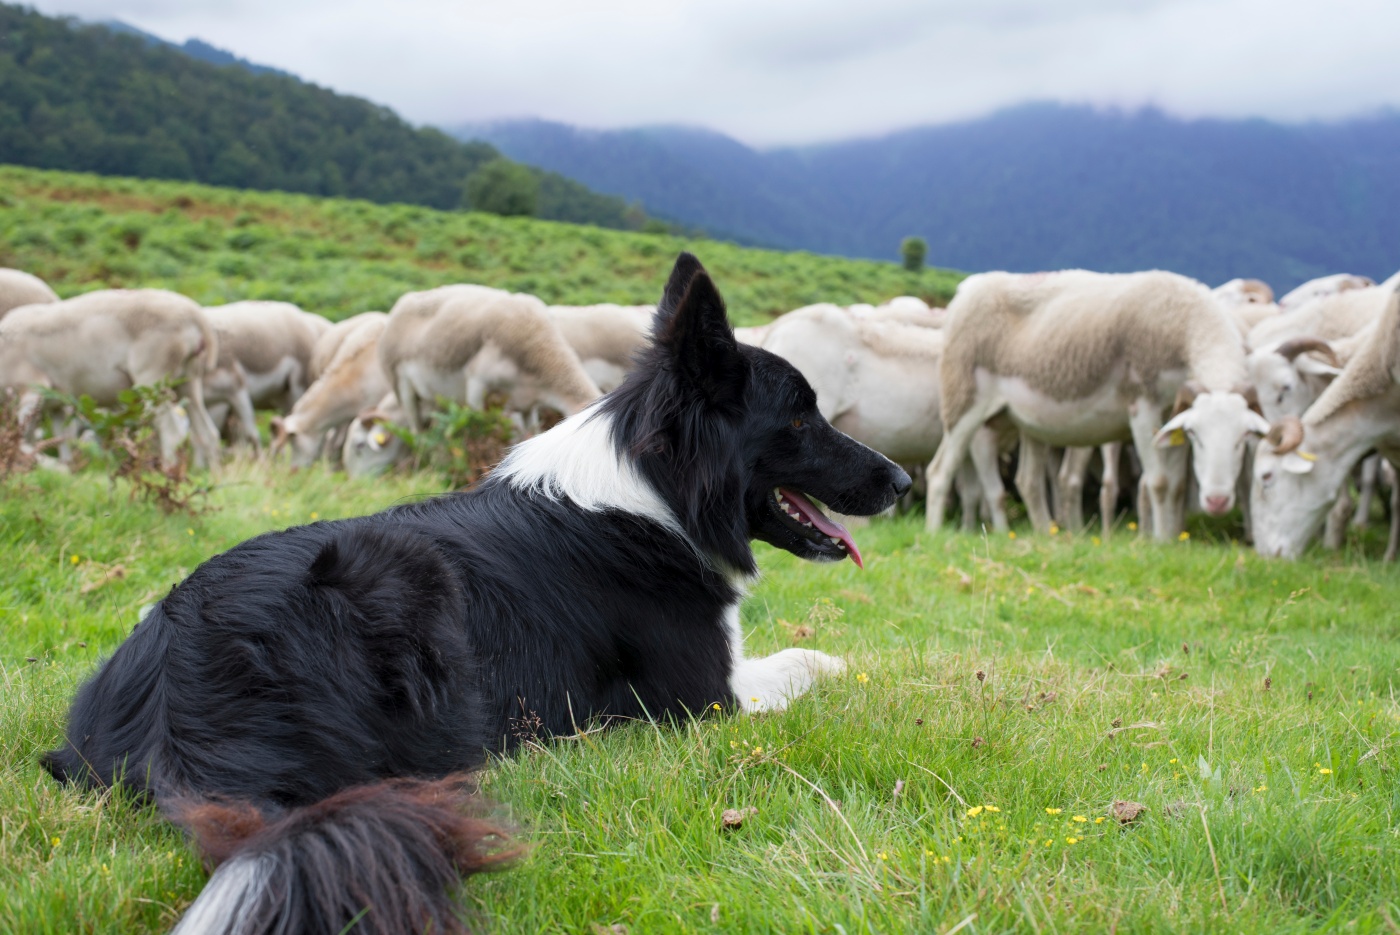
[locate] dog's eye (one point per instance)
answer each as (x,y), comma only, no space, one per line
(797,423)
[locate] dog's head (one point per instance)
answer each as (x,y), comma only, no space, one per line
(731,437)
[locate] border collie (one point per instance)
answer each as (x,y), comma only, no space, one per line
(306,702)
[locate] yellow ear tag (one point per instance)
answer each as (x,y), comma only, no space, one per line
(1307,456)
(381,437)
(1177,437)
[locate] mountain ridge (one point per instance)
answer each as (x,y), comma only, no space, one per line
(1040,186)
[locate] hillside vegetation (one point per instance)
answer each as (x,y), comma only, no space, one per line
(1002,695)
(85,97)
(338,257)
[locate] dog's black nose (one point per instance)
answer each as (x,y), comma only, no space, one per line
(902,483)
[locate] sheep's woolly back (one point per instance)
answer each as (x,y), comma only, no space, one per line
(1372,371)
(329,342)
(894,337)
(260,334)
(20,288)
(1067,333)
(604,332)
(446,327)
(1328,317)
(350,381)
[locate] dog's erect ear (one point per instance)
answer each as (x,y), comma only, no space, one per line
(693,330)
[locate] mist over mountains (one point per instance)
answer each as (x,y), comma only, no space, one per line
(1041,186)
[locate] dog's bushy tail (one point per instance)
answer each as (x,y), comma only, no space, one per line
(384,859)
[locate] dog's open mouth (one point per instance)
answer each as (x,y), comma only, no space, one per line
(811,524)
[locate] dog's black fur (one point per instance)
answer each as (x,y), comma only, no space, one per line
(411,642)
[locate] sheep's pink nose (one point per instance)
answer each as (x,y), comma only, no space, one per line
(1217,505)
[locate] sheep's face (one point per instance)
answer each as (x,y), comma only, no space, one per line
(1289,497)
(1218,426)
(1287,387)
(370,448)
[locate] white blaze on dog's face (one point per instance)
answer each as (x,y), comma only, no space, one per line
(1217,426)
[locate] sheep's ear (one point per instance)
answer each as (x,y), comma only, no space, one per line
(693,331)
(1297,462)
(1256,423)
(1174,432)
(1316,368)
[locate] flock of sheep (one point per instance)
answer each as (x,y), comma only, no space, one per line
(1147,382)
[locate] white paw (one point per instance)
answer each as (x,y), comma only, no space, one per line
(768,684)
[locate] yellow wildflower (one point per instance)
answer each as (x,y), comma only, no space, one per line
(1184,536)
(189,532)
(1053,811)
(315,515)
(974,811)
(946,859)
(1079,818)
(1261,788)
(1099,820)
(1325,771)
(884,856)
(73,559)
(991,808)
(1071,840)
(1054,529)
(1132,526)
(56,842)
(1011,535)
(754,699)
(1048,842)
(1172,760)
(716,706)
(1096,540)
(862,678)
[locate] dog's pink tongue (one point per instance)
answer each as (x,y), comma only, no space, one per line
(835,530)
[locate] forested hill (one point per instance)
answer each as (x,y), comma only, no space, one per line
(85,97)
(1035,187)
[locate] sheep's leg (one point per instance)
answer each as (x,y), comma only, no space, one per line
(1163,473)
(1393,545)
(1334,534)
(984,453)
(1108,492)
(1069,500)
(408,399)
(247,420)
(206,438)
(969,494)
(951,452)
(1370,470)
(1030,481)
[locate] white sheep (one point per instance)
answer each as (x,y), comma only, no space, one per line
(606,337)
(466,343)
(104,342)
(1302,464)
(351,380)
(1079,358)
(20,288)
(1321,286)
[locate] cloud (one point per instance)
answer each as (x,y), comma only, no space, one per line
(792,71)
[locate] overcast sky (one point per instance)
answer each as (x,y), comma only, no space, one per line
(796,71)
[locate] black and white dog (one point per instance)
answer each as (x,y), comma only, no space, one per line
(288,699)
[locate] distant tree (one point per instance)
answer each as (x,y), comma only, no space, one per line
(503,187)
(915,251)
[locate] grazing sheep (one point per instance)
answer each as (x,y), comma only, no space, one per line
(351,381)
(466,342)
(20,288)
(104,342)
(1323,285)
(876,379)
(1079,358)
(605,337)
(1302,464)
(370,448)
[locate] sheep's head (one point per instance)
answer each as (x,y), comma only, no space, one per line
(289,433)
(1217,425)
(1290,375)
(370,447)
(1291,491)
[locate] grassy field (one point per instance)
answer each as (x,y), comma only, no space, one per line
(1002,695)
(338,257)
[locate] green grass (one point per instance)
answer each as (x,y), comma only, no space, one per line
(338,257)
(1245,830)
